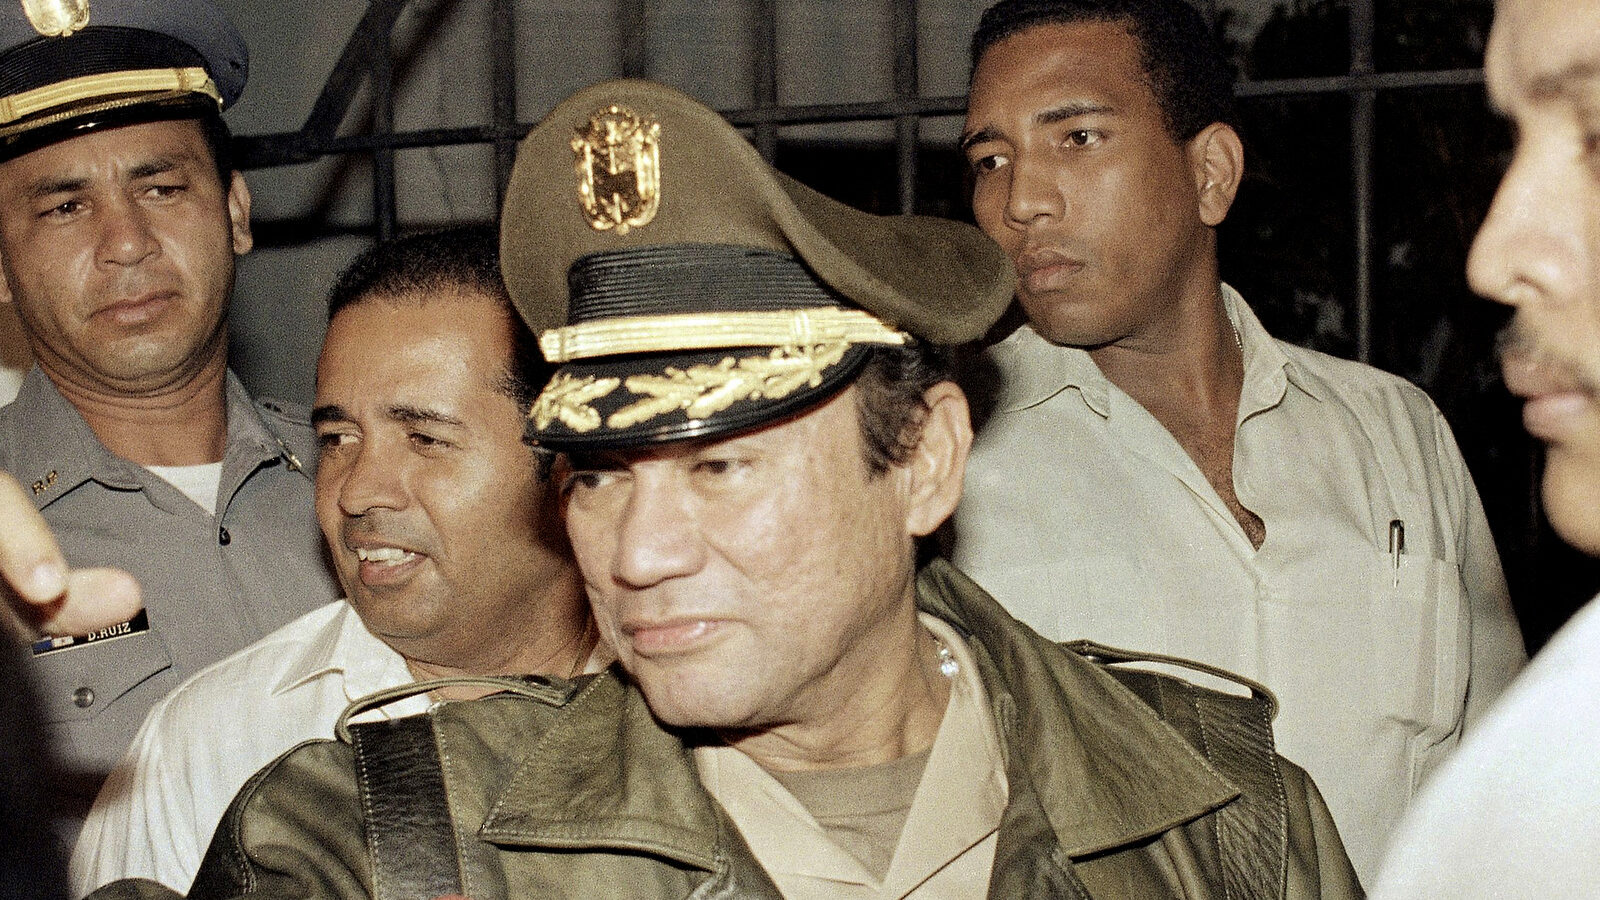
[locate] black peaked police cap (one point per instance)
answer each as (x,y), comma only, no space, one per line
(68,67)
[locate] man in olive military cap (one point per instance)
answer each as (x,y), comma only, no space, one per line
(755,426)
(120,216)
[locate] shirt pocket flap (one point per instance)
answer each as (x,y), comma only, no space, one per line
(76,683)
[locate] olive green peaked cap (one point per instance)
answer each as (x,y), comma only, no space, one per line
(686,289)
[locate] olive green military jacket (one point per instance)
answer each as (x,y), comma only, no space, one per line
(588,796)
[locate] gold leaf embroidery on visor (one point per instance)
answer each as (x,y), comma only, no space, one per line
(566,399)
(701,391)
(618,161)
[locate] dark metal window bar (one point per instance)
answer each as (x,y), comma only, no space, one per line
(367,59)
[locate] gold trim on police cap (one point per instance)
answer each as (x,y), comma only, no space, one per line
(190,80)
(617,156)
(56,18)
(703,391)
(566,398)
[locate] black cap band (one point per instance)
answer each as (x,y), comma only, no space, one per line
(665,281)
(654,281)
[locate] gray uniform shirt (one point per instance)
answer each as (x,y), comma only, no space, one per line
(212,583)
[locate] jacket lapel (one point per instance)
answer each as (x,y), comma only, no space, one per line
(606,775)
(1094,758)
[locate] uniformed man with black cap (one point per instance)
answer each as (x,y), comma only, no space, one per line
(755,426)
(120,216)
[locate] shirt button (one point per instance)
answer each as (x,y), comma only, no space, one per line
(83,697)
(223,537)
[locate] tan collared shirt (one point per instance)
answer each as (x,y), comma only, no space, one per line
(1086,519)
(947,846)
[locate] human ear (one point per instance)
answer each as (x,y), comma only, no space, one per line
(939,462)
(239,214)
(1217,157)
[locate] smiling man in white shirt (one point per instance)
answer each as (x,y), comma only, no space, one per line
(444,532)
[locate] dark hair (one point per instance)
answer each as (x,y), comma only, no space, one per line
(465,257)
(889,400)
(1184,63)
(220,140)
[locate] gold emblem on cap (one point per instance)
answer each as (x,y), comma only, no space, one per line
(56,18)
(618,160)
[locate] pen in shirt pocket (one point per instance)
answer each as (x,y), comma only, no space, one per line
(1397,545)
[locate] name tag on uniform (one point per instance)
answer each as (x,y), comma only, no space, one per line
(139,624)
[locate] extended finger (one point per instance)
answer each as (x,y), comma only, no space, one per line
(30,561)
(95,598)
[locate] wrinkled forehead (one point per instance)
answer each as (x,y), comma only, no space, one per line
(1543,50)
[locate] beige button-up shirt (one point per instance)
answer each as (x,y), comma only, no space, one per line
(947,847)
(1086,519)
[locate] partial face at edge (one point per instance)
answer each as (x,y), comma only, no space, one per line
(1539,249)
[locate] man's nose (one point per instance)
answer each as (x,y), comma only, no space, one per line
(1033,193)
(126,238)
(1533,242)
(369,480)
(658,537)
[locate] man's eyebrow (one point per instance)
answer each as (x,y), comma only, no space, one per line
(416,415)
(329,412)
(410,415)
(53,184)
(982,135)
(66,184)
(1049,116)
(154,167)
(1070,111)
